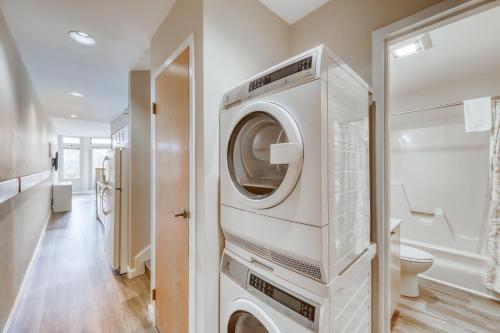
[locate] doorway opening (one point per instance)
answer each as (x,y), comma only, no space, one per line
(438,94)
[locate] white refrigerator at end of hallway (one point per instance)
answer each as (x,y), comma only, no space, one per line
(115,208)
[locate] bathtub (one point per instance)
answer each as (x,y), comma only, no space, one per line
(463,270)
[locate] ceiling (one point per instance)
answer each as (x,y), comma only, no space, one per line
(293,10)
(462,50)
(58,65)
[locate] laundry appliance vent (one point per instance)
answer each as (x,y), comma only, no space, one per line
(295,263)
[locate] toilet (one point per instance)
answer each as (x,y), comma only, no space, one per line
(413,262)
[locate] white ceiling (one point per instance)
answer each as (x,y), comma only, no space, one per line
(58,65)
(461,50)
(293,10)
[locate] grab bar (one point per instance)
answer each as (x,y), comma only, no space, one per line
(418,212)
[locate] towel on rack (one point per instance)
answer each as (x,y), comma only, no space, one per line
(478,114)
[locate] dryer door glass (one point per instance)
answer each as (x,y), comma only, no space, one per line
(249,155)
(244,322)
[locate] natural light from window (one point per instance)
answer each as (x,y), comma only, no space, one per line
(100,141)
(71,140)
(71,163)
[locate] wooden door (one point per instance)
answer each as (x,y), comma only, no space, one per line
(172,195)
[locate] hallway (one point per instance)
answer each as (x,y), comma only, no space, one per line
(73,289)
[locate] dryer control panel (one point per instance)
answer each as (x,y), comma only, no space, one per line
(297,70)
(296,67)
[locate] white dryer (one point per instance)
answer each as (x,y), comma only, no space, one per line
(253,300)
(294,175)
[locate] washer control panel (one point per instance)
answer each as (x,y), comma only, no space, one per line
(293,305)
(304,309)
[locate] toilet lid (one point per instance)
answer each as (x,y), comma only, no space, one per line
(413,254)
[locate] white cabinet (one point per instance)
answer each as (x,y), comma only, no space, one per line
(61,197)
(119,139)
(395,263)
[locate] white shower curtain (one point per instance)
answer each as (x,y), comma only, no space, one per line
(493,250)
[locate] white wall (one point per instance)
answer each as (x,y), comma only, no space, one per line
(139,160)
(236,45)
(76,127)
(441,166)
(25,133)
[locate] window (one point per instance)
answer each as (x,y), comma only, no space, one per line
(98,155)
(71,163)
(71,140)
(100,141)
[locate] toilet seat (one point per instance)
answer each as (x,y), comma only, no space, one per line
(409,253)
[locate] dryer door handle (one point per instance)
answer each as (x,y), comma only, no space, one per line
(285,153)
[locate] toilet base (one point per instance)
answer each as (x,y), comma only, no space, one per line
(409,285)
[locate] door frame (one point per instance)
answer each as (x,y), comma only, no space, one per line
(188,43)
(430,18)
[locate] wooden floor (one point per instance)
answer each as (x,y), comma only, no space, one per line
(73,289)
(444,309)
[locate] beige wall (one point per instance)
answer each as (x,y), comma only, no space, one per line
(24,135)
(139,163)
(346,27)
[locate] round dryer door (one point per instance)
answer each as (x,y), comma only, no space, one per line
(265,154)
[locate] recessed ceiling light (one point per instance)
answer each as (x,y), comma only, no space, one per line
(82,38)
(76,94)
(411,46)
(74,116)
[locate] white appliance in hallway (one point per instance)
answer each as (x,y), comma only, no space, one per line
(254,300)
(115,208)
(62,197)
(295,187)
(295,165)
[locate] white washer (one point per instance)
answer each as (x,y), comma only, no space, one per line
(294,165)
(253,300)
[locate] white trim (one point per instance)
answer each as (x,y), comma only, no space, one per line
(139,263)
(425,19)
(151,312)
(451,285)
(188,43)
(26,182)
(26,276)
(8,189)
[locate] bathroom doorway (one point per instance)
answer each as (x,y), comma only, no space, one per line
(437,82)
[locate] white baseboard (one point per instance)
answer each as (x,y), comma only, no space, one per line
(477,293)
(26,276)
(151,312)
(140,259)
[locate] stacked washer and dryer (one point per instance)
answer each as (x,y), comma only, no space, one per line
(295,200)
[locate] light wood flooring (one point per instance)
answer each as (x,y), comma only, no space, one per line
(442,309)
(73,289)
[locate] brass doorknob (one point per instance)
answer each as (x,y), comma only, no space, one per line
(180,213)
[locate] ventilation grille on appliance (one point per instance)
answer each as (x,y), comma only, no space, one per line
(295,263)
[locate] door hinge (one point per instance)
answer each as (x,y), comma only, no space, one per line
(154,294)
(154,108)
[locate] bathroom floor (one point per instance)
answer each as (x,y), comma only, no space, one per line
(444,309)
